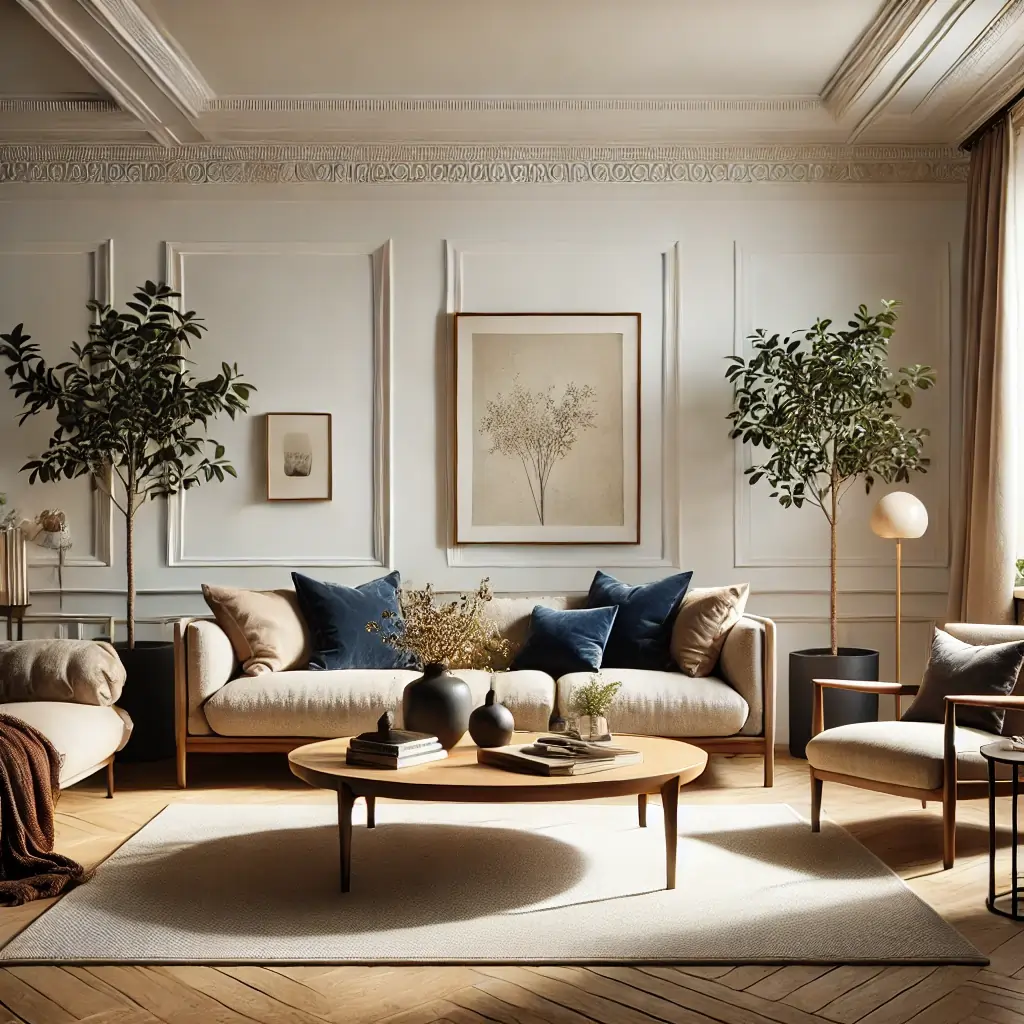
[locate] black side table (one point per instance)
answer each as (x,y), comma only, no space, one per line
(996,754)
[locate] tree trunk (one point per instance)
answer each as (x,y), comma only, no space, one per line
(833,593)
(130,554)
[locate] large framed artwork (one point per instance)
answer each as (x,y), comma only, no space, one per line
(547,428)
(299,456)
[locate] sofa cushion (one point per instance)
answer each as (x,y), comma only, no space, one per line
(704,620)
(666,703)
(344,703)
(81,671)
(511,617)
(643,627)
(265,627)
(561,642)
(898,753)
(337,617)
(84,734)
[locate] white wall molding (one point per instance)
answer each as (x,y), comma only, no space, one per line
(575,556)
(745,554)
(470,164)
(891,26)
(101,270)
(383,329)
(72,105)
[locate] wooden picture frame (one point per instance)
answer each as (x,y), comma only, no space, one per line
(547,410)
(300,456)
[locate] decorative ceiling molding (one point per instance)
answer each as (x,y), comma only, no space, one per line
(122,58)
(912,65)
(511,104)
(467,164)
(880,40)
(995,94)
(157,51)
(16,105)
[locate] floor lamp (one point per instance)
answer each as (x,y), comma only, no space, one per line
(899,516)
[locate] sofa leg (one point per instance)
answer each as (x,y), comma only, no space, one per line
(769,766)
(816,786)
(182,774)
(948,829)
(110,779)
(924,805)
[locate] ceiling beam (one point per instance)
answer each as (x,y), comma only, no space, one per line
(142,68)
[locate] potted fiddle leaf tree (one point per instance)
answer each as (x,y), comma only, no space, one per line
(131,414)
(825,406)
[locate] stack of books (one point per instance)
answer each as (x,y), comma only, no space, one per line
(559,755)
(396,749)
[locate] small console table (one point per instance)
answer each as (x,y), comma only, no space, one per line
(997,754)
(15,613)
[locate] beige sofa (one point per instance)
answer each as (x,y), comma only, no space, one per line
(218,710)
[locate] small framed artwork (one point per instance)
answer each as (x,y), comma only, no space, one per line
(547,428)
(299,456)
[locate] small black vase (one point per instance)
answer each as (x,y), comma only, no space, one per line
(492,723)
(439,704)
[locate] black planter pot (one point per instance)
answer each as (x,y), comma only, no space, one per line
(148,697)
(438,703)
(491,724)
(841,707)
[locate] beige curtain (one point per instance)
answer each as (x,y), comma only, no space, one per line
(985,541)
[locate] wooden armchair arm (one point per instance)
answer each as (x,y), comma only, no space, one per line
(973,700)
(988,701)
(857,686)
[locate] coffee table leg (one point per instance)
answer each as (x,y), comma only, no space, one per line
(641,806)
(346,798)
(371,812)
(670,805)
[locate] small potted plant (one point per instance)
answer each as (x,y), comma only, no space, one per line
(590,703)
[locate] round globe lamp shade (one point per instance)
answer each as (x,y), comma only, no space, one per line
(899,516)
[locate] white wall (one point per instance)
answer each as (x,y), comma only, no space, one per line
(304,287)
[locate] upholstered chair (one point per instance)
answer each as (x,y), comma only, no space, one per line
(921,760)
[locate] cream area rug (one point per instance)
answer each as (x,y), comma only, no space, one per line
(443,883)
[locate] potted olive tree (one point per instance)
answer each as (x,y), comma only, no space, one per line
(823,404)
(131,414)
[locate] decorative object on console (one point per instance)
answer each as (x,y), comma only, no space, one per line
(955,667)
(132,360)
(899,516)
(491,724)
(438,703)
(642,632)
(299,456)
(336,616)
(822,404)
(591,703)
(547,445)
(13,568)
(702,624)
(50,530)
(265,627)
(560,642)
(455,633)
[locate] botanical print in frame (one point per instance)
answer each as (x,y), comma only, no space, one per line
(547,428)
(299,456)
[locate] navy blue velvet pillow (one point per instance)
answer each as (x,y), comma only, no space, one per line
(337,618)
(560,642)
(643,628)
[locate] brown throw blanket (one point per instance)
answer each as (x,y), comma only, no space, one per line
(29,787)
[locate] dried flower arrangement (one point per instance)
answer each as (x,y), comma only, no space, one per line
(453,633)
(595,698)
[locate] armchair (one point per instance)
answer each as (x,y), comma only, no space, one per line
(921,760)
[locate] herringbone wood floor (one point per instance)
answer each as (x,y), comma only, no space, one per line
(900,832)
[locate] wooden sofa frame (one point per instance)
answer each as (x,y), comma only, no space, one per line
(951,790)
(211,744)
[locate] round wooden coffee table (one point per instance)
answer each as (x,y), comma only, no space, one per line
(667,765)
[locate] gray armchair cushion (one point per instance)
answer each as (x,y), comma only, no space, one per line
(79,671)
(959,667)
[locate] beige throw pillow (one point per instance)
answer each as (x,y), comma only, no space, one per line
(265,627)
(78,671)
(706,616)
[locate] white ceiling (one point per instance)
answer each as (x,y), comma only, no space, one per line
(506,71)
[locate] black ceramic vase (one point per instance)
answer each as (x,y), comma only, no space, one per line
(438,703)
(492,723)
